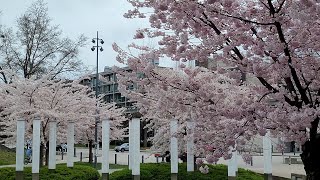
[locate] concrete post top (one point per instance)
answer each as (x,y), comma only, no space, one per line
(106,119)
(136,115)
(37,118)
(21,119)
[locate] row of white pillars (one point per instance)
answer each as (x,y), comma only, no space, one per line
(134,152)
(36,141)
(134,148)
(267,157)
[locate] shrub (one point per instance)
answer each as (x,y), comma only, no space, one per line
(161,171)
(78,172)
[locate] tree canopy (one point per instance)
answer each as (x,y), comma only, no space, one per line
(274,42)
(37,47)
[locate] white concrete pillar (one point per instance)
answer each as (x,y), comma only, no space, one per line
(236,162)
(52,144)
(20,148)
(130,143)
(70,144)
(174,149)
(190,146)
(105,148)
(232,166)
(267,156)
(36,148)
(136,148)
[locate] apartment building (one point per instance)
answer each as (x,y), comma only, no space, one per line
(108,87)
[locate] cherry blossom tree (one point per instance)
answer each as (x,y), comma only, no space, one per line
(117,118)
(277,42)
(59,100)
(185,97)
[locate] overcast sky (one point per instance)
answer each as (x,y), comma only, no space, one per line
(76,17)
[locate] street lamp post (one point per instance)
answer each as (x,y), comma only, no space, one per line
(96,47)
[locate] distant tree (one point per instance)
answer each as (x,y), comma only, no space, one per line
(37,47)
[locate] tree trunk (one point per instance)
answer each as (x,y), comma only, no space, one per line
(311,153)
(47,154)
(90,151)
(41,154)
(145,135)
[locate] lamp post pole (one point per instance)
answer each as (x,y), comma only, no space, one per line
(96,47)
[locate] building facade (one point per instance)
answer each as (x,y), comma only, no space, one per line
(108,88)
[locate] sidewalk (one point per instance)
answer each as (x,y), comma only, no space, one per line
(278,168)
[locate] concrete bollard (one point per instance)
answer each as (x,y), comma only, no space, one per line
(80,156)
(289,160)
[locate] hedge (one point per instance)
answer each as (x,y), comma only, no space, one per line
(78,172)
(161,171)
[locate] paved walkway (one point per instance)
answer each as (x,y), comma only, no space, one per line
(278,167)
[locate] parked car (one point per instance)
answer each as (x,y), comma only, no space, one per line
(123,147)
(61,147)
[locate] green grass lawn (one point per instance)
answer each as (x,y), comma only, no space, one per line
(161,171)
(78,172)
(7,157)
(111,166)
